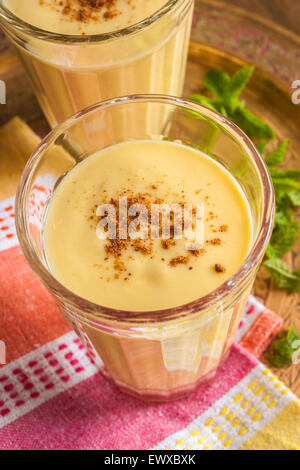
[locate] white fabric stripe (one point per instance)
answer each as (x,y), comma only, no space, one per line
(255,308)
(39,194)
(8,236)
(210,435)
(36,376)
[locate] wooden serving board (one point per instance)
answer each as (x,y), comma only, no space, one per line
(261,97)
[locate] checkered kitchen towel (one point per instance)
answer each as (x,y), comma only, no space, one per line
(53,397)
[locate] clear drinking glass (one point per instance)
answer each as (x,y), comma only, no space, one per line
(69,73)
(154,355)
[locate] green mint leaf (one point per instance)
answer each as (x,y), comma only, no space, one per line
(292,174)
(202,100)
(236,86)
(251,124)
(280,218)
(209,103)
(270,252)
(283,239)
(284,186)
(294,197)
(282,276)
(227,89)
(216,105)
(217,82)
(278,155)
(279,361)
(223,111)
(261,147)
(283,214)
(284,349)
(293,336)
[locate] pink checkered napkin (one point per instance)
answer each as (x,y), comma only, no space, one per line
(53,397)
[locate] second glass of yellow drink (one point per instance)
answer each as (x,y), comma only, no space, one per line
(78,52)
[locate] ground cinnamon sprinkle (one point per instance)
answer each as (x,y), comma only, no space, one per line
(218,268)
(214,241)
(87,10)
(166,244)
(140,245)
(116,247)
(178,260)
(199,252)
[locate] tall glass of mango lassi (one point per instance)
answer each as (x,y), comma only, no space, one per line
(78,52)
(148,237)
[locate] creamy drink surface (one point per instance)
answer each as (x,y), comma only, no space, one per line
(81,17)
(148,274)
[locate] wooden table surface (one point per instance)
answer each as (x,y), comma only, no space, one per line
(288,13)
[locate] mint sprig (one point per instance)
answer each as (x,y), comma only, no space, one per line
(283,277)
(277,157)
(225,98)
(284,237)
(286,229)
(226,101)
(284,349)
(252,125)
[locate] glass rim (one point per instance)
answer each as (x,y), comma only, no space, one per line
(39,33)
(126,316)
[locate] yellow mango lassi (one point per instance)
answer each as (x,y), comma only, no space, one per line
(148,274)
(71,66)
(153,276)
